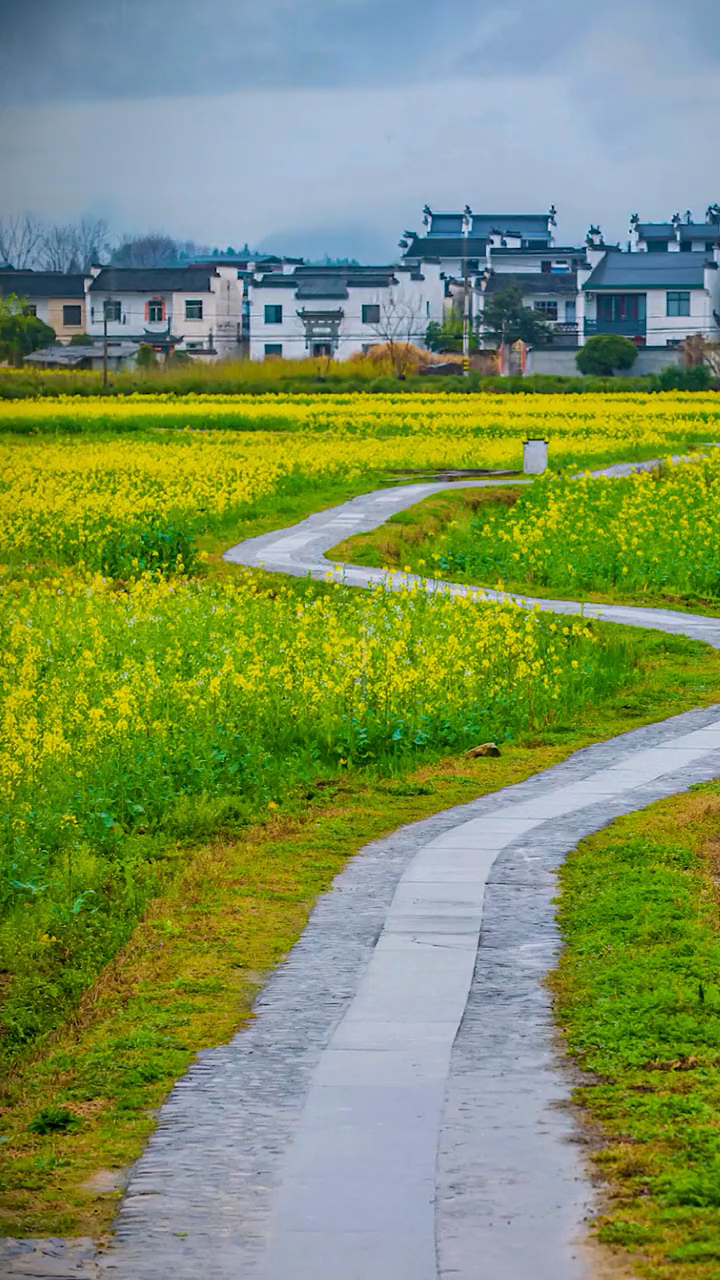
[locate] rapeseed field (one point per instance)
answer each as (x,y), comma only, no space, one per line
(651,533)
(143,701)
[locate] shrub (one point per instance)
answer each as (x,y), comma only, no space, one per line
(606,352)
(677,378)
(54,1120)
(145,358)
(81,340)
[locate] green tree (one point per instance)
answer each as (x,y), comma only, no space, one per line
(20,331)
(606,352)
(506,318)
(81,340)
(448,336)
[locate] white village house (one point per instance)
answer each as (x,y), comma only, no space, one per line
(340,311)
(196,309)
(656,299)
(492,248)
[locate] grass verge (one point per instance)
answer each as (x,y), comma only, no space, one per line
(416,540)
(638,998)
(77,1111)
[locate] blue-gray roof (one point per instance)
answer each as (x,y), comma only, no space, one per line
(689,231)
(648,271)
(532,226)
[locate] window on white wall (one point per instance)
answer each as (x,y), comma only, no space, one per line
(273,349)
(371,313)
(273,313)
(112,310)
(547,309)
(678,303)
(193,309)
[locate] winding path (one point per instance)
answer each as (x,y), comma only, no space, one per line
(397,1109)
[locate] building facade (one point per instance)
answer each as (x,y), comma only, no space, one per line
(655,298)
(54,297)
(482,252)
(193,309)
(340,311)
(679,235)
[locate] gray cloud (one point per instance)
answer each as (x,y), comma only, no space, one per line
(326,127)
(81,50)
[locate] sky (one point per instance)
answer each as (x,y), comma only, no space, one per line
(326,127)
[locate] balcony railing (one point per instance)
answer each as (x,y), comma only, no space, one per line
(628,328)
(565,333)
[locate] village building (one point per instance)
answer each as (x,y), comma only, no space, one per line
(197,309)
(655,298)
(340,311)
(484,251)
(54,297)
(679,235)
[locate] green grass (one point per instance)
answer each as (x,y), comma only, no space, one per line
(638,998)
(224,913)
(439,537)
(300,377)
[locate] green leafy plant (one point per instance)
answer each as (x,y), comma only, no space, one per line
(20,331)
(606,352)
(54,1120)
(145,358)
(506,318)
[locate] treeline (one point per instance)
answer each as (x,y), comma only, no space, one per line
(29,244)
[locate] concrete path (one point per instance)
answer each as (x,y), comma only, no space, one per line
(301,551)
(397,1109)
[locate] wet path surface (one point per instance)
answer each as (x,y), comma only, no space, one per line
(396,1110)
(301,550)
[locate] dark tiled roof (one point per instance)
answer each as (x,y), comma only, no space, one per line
(153,280)
(322,289)
(429,247)
(328,282)
(700,231)
(688,231)
(534,281)
(555,252)
(648,271)
(42,284)
(529,225)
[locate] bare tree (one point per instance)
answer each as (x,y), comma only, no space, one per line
(152,250)
(20,240)
(402,321)
(75,246)
(698,350)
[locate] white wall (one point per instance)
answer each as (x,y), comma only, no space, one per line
(662,328)
(406,309)
(219,326)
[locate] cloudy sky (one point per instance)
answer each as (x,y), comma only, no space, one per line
(326,127)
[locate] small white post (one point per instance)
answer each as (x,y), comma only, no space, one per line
(535,457)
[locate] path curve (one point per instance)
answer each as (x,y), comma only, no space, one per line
(300,550)
(396,1110)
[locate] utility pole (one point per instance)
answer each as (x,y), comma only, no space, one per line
(105,348)
(466,225)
